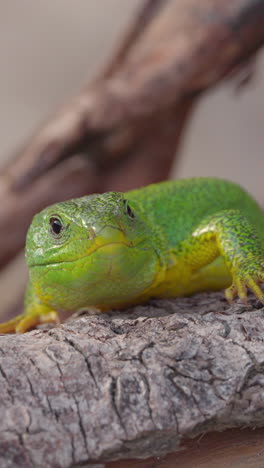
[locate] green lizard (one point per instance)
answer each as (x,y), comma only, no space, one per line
(117,249)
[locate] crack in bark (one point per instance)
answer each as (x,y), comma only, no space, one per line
(250,354)
(186,397)
(145,379)
(82,429)
(57,416)
(112,390)
(77,348)
(8,389)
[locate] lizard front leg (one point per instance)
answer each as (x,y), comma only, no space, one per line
(229,234)
(35,313)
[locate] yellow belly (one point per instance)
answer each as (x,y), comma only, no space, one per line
(179,280)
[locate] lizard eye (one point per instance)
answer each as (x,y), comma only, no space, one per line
(55,226)
(128,210)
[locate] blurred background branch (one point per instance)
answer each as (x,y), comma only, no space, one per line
(123,130)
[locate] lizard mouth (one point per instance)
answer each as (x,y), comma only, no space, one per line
(86,254)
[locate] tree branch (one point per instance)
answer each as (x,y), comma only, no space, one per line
(130,384)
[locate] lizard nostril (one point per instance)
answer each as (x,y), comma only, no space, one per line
(91,233)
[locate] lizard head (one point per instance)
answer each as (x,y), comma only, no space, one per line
(91,251)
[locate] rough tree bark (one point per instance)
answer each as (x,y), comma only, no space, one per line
(130,384)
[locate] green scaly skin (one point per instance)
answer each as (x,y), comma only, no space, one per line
(169,239)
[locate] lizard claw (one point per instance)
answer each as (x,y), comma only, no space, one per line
(240,287)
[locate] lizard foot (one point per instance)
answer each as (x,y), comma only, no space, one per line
(24,322)
(240,287)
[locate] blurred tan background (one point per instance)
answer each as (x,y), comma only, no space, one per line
(48,50)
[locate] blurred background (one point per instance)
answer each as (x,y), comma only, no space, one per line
(49,50)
